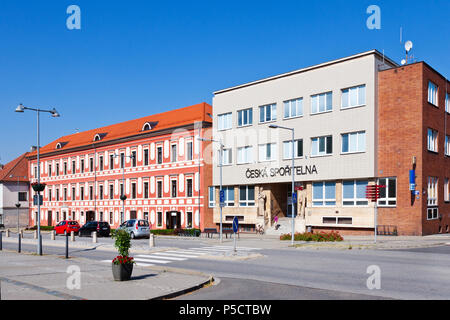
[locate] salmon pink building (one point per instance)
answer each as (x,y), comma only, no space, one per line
(157,162)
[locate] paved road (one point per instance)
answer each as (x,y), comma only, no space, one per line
(405,274)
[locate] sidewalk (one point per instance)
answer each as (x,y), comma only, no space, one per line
(32,277)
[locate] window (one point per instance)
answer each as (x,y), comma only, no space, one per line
(432,93)
(446,190)
(81,193)
(146,216)
(324,194)
(229,196)
(432,191)
(91,164)
(111,218)
(189,187)
(122,193)
(388,194)
(73,193)
(159,188)
(432,140)
(267,152)
(133,158)
(267,113)
(101,163)
(100,192)
(245,155)
(447,102)
(173,154)
(160,155)
(101,216)
(246,196)
(227,157)
(174,188)
(245,117)
(91,193)
(189,155)
(111,161)
(293,108)
(73,166)
(49,194)
(225,121)
(322,102)
(145,157)
(321,146)
(189,219)
(447,145)
(57,194)
(298,149)
(212,198)
(65,194)
(111,191)
(432,213)
(354,142)
(337,220)
(82,165)
(49,170)
(57,169)
(159,219)
(146,190)
(65,168)
(22,196)
(353,97)
(133,190)
(122,160)
(354,193)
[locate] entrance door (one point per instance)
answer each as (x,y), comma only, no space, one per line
(49,218)
(90,216)
(133,215)
(173,219)
(289,206)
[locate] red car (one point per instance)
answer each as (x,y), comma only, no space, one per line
(67,226)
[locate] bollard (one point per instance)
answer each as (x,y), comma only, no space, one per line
(35,234)
(20,243)
(72,236)
(1,240)
(67,246)
(40,245)
(21,233)
(151,240)
(7,233)
(52,235)
(94,237)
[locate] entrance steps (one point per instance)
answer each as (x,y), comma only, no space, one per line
(284,226)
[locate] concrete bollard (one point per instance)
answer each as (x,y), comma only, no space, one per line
(52,235)
(35,234)
(21,233)
(72,236)
(7,233)
(151,240)
(94,237)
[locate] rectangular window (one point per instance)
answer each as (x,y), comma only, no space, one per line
(447,145)
(324,194)
(101,163)
(388,194)
(160,155)
(432,93)
(173,154)
(447,102)
(321,146)
(100,191)
(82,165)
(57,169)
(432,213)
(246,196)
(111,218)
(432,191)
(293,108)
(189,155)
(49,170)
(159,188)
(73,193)
(225,121)
(432,139)
(133,158)
(189,219)
(446,190)
(133,190)
(111,161)
(22,196)
(145,157)
(267,152)
(298,149)
(73,167)
(65,168)
(146,190)
(354,193)
(245,117)
(57,194)
(354,142)
(174,188)
(111,191)
(245,155)
(353,97)
(189,188)
(122,160)
(212,198)
(229,196)
(159,219)
(81,193)
(91,164)
(91,193)
(268,113)
(227,157)
(322,102)
(49,194)
(65,194)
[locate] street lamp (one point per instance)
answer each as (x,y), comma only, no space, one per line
(20,108)
(274,126)
(123,197)
(18,198)
(220,165)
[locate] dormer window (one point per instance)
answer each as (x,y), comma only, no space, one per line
(60,145)
(99,136)
(149,126)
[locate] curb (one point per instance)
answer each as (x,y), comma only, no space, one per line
(185,291)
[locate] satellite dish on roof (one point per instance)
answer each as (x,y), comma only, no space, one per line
(403,62)
(408,46)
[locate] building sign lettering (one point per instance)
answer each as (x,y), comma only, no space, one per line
(281,172)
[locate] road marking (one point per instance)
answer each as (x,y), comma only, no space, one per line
(183,254)
(160,256)
(151,260)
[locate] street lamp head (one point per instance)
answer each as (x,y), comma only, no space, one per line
(55,113)
(273,126)
(20,108)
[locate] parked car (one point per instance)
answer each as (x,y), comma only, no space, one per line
(67,226)
(137,228)
(102,228)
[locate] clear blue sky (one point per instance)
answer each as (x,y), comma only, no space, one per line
(135,58)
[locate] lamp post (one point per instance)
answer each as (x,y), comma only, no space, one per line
(18,198)
(123,197)
(274,126)
(220,165)
(20,108)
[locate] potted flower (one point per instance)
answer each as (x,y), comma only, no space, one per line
(122,265)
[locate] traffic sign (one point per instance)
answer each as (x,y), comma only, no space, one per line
(222,196)
(35,200)
(235,224)
(294,198)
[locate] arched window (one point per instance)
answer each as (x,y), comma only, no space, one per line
(146,127)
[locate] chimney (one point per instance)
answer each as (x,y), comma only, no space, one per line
(33,148)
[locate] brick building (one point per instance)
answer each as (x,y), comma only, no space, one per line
(156,161)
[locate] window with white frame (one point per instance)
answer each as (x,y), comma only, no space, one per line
(447,145)
(354,142)
(245,155)
(388,194)
(353,97)
(354,193)
(321,146)
(298,149)
(225,121)
(322,102)
(227,157)
(446,190)
(293,108)
(246,196)
(432,93)
(267,152)
(324,194)
(189,153)
(211,197)
(447,102)
(432,191)
(432,140)
(245,117)
(268,113)
(228,196)
(173,153)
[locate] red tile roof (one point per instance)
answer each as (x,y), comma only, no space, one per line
(166,120)
(17,168)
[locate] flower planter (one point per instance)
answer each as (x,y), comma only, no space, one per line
(122,272)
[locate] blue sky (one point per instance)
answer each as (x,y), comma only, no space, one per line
(135,58)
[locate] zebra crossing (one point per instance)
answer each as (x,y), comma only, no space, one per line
(178,255)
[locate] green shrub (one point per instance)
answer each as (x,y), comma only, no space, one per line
(43,228)
(317,237)
(122,241)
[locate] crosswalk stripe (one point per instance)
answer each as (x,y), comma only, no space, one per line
(188,253)
(151,260)
(176,254)
(144,264)
(231,247)
(161,256)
